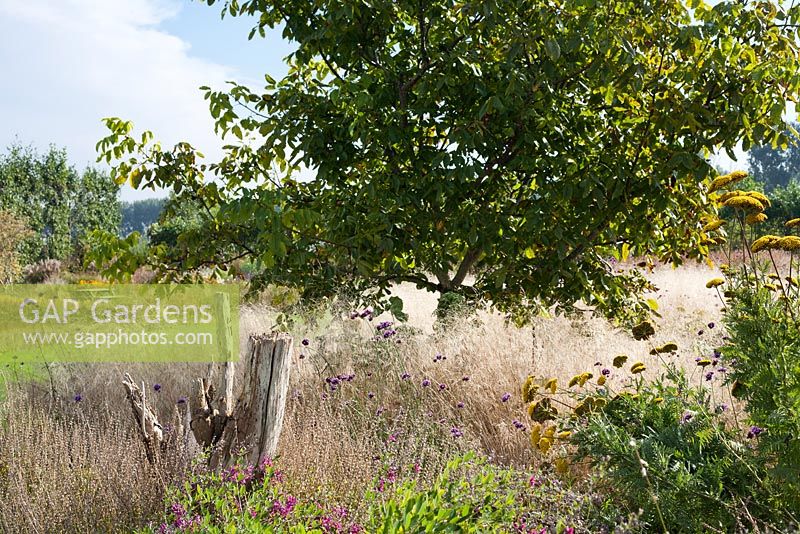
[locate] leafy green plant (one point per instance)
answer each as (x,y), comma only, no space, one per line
(445,139)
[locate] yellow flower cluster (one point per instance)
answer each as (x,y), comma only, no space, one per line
(755,218)
(714,282)
(714,225)
(620,360)
(792,223)
(726,180)
(744,202)
(637,368)
(663,349)
(789,243)
(764,243)
(529,389)
(580,379)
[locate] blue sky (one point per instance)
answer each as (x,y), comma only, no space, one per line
(65,64)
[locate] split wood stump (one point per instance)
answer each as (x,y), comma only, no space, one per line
(243,429)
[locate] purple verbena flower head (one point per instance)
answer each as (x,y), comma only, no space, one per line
(426,383)
(460,404)
(709,376)
(605,372)
(405,376)
(456,432)
(305,342)
(182,400)
(370,395)
(506,397)
(465,378)
(442,387)
(157,387)
(78,397)
(754,432)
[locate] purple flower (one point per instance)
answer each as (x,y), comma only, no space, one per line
(456,432)
(182,400)
(465,378)
(711,325)
(686,417)
(305,342)
(460,405)
(505,397)
(370,395)
(78,397)
(302,356)
(721,408)
(722,369)
(754,432)
(426,383)
(699,332)
(518,425)
(157,387)
(405,376)
(605,372)
(442,387)
(383,325)
(709,376)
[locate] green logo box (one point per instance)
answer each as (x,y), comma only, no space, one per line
(119,323)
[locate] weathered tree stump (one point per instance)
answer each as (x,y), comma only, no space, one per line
(246,429)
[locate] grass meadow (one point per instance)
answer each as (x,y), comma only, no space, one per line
(362,410)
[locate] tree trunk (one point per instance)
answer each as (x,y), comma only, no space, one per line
(251,432)
(246,430)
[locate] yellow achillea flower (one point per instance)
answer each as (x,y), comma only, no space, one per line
(564,434)
(755,218)
(714,225)
(585,377)
(620,360)
(574,380)
(764,243)
(551,384)
(658,400)
(789,243)
(771,287)
(601,381)
(536,434)
(529,389)
(599,402)
(668,347)
(773,276)
(726,179)
(562,465)
(792,281)
(643,330)
(792,223)
(704,362)
(760,197)
(637,368)
(744,202)
(730,194)
(544,445)
(714,282)
(549,432)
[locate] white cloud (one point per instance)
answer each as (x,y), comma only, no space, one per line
(65,64)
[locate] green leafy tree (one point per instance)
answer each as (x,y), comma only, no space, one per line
(95,206)
(138,215)
(522,142)
(59,204)
(776,166)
